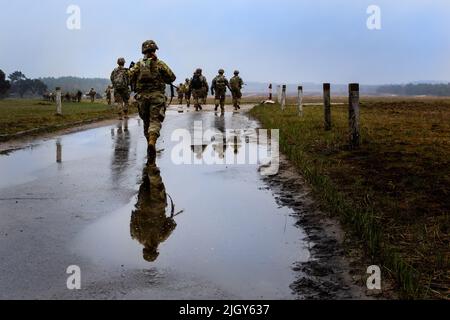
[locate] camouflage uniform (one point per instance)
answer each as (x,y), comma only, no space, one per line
(180,92)
(108,95)
(121,88)
(187,92)
(92,95)
(150,76)
(205,93)
(236,84)
(219,89)
(197,87)
(149,223)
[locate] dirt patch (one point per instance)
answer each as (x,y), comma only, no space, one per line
(337,269)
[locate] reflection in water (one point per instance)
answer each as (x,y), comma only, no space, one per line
(121,149)
(149,223)
(58,151)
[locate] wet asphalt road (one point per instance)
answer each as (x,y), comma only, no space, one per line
(70,200)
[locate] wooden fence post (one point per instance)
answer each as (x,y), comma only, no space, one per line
(327,105)
(58,102)
(283,98)
(300,101)
(353,116)
(270,92)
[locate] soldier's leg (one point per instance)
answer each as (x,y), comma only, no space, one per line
(126,103)
(188,100)
(217,100)
(144,113)
(157,115)
(222,101)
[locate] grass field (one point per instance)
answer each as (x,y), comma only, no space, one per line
(21,115)
(393,193)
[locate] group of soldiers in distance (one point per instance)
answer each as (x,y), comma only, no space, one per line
(148,79)
(197,87)
(71,97)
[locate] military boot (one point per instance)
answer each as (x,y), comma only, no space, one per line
(151,149)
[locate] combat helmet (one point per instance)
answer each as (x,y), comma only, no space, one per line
(149,45)
(121,61)
(221,71)
(236,72)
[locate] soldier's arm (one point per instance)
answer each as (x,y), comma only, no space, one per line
(167,74)
(112,76)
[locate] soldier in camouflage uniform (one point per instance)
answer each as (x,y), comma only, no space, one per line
(205,93)
(149,223)
(187,92)
(197,87)
(108,95)
(180,93)
(219,90)
(121,85)
(149,77)
(92,95)
(236,84)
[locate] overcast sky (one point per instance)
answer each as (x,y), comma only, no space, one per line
(277,41)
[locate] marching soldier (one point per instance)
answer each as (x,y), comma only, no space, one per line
(180,93)
(187,92)
(121,84)
(197,87)
(236,84)
(92,95)
(149,77)
(219,90)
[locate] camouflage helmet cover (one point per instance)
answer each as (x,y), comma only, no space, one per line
(221,71)
(149,45)
(121,61)
(236,72)
(199,71)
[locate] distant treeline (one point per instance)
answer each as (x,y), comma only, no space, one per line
(73,84)
(416,89)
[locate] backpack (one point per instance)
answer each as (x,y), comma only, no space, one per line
(235,83)
(148,72)
(197,82)
(221,83)
(120,79)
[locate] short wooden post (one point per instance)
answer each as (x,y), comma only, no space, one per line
(270,92)
(353,116)
(58,101)
(279,94)
(300,101)
(283,97)
(327,105)
(113,98)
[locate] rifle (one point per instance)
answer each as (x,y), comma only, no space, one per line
(172,93)
(132,81)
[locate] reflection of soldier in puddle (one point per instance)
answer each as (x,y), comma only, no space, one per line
(149,223)
(121,149)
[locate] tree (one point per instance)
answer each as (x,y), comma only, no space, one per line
(21,85)
(4,85)
(16,76)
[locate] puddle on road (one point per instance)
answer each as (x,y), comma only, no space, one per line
(230,233)
(229,230)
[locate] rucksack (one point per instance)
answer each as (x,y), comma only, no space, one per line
(148,72)
(120,79)
(221,83)
(235,83)
(197,82)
